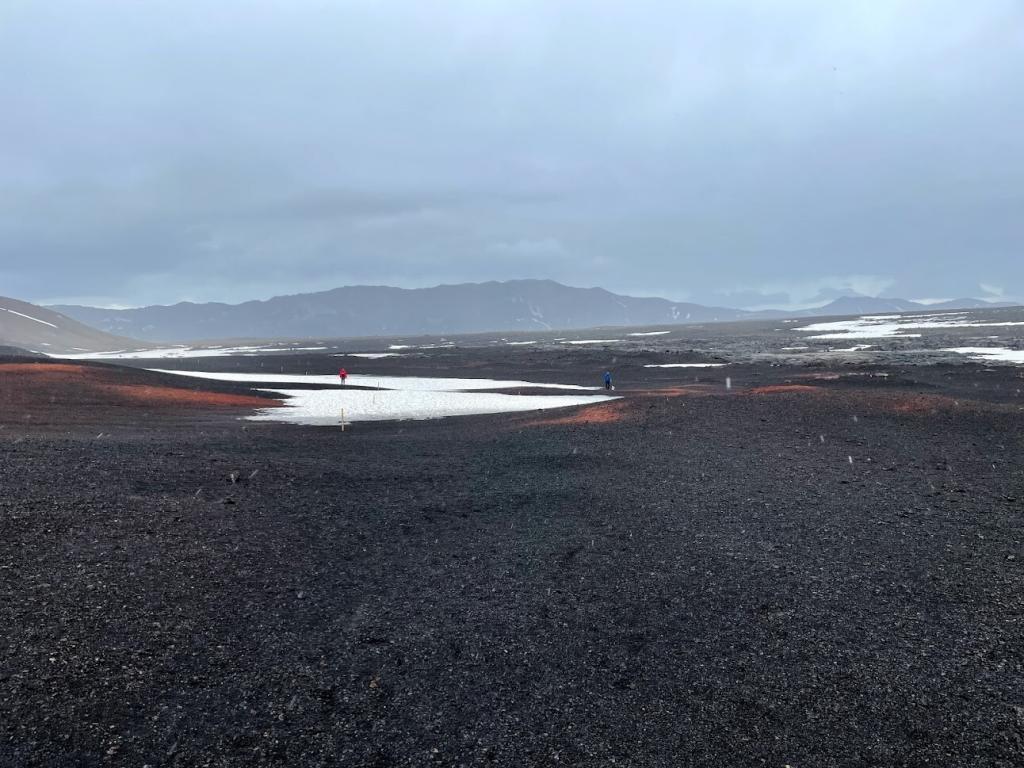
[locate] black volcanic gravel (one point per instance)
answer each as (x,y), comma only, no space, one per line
(803,579)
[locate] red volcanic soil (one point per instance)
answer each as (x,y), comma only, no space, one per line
(923,403)
(635,404)
(774,389)
(689,390)
(62,392)
(874,401)
(617,410)
(604,413)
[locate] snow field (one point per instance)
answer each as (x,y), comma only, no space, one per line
(396,397)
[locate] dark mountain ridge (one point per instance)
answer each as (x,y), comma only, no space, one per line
(514,305)
(519,305)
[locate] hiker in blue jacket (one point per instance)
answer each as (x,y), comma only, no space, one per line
(607,379)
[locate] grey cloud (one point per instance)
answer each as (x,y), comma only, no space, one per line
(157,151)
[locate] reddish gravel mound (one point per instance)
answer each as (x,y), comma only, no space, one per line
(57,392)
(774,389)
(921,403)
(690,390)
(891,402)
(618,410)
(605,413)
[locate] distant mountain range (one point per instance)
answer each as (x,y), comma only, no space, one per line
(866,305)
(515,305)
(518,305)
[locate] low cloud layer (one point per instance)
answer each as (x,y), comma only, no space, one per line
(739,153)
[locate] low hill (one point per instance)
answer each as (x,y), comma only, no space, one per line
(31,328)
(48,392)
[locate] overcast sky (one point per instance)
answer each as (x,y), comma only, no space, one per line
(743,153)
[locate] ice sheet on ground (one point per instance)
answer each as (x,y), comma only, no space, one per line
(649,333)
(324,406)
(684,365)
(991,354)
(593,341)
(416,383)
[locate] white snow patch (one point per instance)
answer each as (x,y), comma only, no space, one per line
(400,346)
(793,349)
(888,326)
(324,406)
(369,355)
(28,317)
(685,365)
(992,354)
(416,383)
(649,333)
(519,343)
(593,341)
(397,397)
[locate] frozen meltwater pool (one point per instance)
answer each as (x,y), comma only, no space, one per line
(397,397)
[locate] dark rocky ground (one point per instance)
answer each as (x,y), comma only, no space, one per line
(805,577)
(779,341)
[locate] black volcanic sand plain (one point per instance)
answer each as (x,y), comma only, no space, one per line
(780,341)
(815,566)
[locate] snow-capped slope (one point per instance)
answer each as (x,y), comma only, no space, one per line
(39,329)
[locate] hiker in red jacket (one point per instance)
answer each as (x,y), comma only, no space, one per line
(343,375)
